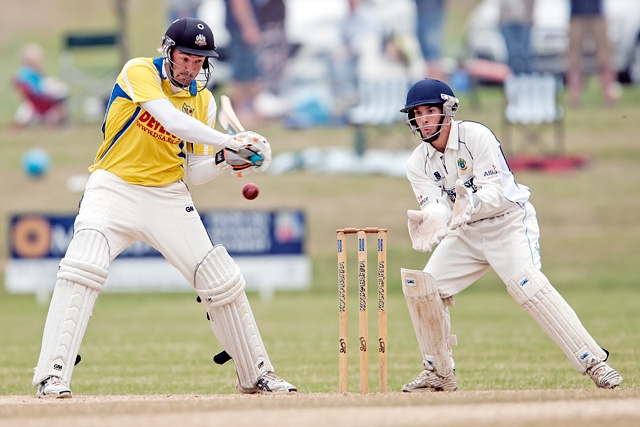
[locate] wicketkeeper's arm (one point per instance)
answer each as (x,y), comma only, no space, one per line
(466,204)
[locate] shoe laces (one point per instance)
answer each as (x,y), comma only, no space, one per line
(598,369)
(594,369)
(422,377)
(266,379)
(270,376)
(53,380)
(603,372)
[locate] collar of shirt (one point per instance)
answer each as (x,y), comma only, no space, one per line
(453,142)
(160,64)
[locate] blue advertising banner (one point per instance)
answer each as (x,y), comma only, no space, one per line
(242,233)
(267,245)
(257,233)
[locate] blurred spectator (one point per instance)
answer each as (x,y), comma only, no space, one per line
(516,20)
(244,34)
(257,51)
(354,26)
(273,48)
(588,24)
(373,55)
(430,22)
(273,56)
(177,9)
(43,99)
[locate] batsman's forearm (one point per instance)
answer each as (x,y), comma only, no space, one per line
(202,169)
(185,127)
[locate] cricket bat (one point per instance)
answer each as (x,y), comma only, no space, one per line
(230,123)
(227,117)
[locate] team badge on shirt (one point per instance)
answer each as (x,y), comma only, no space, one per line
(462,164)
(187,109)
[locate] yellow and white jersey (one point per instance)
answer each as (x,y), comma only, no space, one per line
(136,147)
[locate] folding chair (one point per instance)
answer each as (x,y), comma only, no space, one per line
(380,101)
(90,64)
(533,104)
(41,107)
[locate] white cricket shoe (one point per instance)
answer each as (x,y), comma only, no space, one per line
(429,380)
(269,383)
(53,387)
(604,375)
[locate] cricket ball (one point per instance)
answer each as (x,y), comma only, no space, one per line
(250,191)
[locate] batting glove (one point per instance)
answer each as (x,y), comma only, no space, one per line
(253,147)
(233,162)
(247,152)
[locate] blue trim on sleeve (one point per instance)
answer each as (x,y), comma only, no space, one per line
(118,92)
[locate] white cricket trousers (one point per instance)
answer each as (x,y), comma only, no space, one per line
(506,243)
(164,217)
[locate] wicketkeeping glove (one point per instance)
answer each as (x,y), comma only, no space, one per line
(466,204)
(428,227)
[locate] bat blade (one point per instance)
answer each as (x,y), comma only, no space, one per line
(227,117)
(229,121)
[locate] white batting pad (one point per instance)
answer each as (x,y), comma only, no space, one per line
(532,290)
(81,275)
(220,285)
(430,319)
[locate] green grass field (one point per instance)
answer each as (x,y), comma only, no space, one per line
(156,344)
(161,344)
(142,342)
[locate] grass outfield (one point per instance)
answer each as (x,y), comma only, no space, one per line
(162,344)
(588,219)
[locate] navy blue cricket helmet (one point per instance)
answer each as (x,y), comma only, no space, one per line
(192,36)
(431,92)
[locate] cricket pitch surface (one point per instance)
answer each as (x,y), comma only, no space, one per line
(584,407)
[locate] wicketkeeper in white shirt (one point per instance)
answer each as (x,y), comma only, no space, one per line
(475,216)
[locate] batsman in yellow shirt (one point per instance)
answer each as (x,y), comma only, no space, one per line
(159,121)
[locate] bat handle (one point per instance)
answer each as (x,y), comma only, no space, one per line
(256,160)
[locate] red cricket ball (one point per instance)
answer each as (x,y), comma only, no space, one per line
(250,191)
